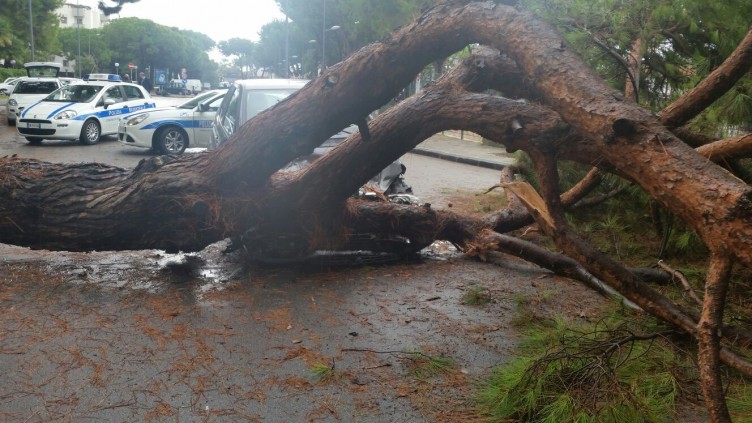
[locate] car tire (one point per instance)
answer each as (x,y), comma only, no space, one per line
(171,140)
(90,132)
(34,140)
(11,122)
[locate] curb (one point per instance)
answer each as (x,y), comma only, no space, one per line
(453,158)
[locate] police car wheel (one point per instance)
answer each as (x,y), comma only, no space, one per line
(34,140)
(171,140)
(11,122)
(90,132)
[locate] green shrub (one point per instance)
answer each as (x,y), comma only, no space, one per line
(603,373)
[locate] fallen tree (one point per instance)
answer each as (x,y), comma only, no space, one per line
(189,202)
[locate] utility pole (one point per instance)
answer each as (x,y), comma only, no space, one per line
(287,40)
(78,35)
(323,40)
(31,30)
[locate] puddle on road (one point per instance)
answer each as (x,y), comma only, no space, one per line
(154,270)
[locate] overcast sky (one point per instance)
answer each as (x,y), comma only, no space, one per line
(219,19)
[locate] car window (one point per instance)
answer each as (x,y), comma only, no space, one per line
(259,100)
(190,104)
(214,105)
(230,116)
(113,93)
(35,87)
(133,92)
(75,93)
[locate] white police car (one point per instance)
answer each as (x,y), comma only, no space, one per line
(171,130)
(84,110)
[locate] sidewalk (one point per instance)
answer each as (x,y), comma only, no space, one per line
(465,151)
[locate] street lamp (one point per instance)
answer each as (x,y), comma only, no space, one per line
(323,44)
(312,44)
(117,68)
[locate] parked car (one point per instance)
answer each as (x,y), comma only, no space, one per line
(27,92)
(83,111)
(41,79)
(7,86)
(176,87)
(173,129)
(247,98)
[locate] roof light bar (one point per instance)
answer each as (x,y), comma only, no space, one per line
(102,77)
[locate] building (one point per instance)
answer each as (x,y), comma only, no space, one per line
(75,14)
(82,14)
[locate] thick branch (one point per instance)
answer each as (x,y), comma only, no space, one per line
(709,337)
(728,149)
(712,87)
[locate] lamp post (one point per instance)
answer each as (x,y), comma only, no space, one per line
(323,39)
(117,68)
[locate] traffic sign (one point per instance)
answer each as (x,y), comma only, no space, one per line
(131,65)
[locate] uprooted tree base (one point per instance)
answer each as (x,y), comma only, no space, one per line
(190,202)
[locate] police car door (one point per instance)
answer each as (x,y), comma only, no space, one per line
(203,116)
(136,99)
(111,116)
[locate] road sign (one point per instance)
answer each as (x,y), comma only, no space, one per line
(131,65)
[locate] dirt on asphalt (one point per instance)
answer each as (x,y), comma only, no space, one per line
(144,336)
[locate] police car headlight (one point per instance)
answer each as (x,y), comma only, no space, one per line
(12,102)
(135,120)
(65,114)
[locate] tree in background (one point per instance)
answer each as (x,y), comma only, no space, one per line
(96,54)
(359,22)
(141,41)
(242,49)
(15,36)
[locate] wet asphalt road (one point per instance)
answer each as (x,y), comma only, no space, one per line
(144,336)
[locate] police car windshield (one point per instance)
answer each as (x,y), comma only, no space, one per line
(75,93)
(35,87)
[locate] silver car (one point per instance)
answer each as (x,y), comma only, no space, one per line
(247,98)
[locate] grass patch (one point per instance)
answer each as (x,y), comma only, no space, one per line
(321,372)
(608,372)
(476,296)
(424,366)
(739,401)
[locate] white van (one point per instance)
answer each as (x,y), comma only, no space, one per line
(194,86)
